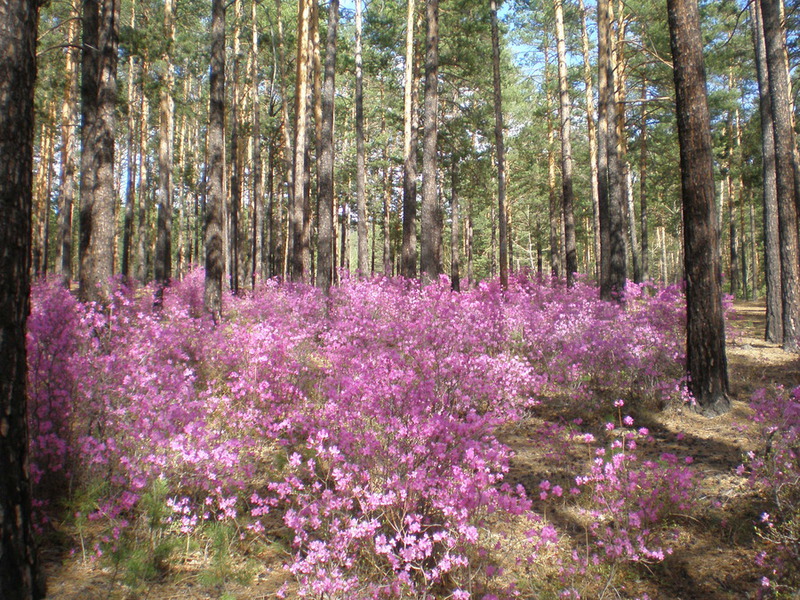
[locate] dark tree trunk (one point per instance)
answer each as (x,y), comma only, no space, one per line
(779,89)
(163,254)
(772,259)
(258,182)
(361,172)
(500,153)
(215,261)
(643,186)
(19,570)
(455,255)
(705,328)
(612,227)
(567,194)
(326,238)
(301,125)
(98,95)
(430,267)
(69,118)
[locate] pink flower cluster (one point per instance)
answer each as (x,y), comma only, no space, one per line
(366,419)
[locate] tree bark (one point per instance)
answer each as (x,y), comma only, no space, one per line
(455,255)
(779,89)
(216,164)
(556,264)
(130,188)
(19,567)
(500,153)
(567,194)
(163,256)
(409,249)
(430,267)
(643,186)
(326,239)
(301,124)
(612,237)
(361,173)
(98,95)
(592,133)
(258,181)
(705,328)
(69,119)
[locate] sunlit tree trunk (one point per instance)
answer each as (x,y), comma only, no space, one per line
(142,185)
(705,328)
(556,264)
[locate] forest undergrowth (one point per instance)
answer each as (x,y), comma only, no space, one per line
(397,441)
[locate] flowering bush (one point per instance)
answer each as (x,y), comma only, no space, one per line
(777,471)
(366,421)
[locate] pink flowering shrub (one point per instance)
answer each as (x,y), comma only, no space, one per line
(366,420)
(777,472)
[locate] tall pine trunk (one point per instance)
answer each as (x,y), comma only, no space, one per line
(326,238)
(98,96)
(19,569)
(567,194)
(408,267)
(430,267)
(500,153)
(779,89)
(705,327)
(215,261)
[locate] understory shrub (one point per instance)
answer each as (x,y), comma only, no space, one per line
(365,421)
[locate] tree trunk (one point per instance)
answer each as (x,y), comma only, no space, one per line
(779,89)
(98,95)
(69,119)
(301,124)
(258,181)
(130,189)
(643,185)
(592,133)
(567,194)
(429,266)
(163,257)
(409,250)
(327,207)
(705,328)
(216,164)
(455,258)
(500,153)
(361,174)
(612,236)
(554,208)
(19,569)
(141,216)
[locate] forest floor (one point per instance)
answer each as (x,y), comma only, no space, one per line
(714,553)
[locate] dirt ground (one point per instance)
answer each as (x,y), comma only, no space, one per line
(714,555)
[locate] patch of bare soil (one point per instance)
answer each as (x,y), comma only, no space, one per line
(714,553)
